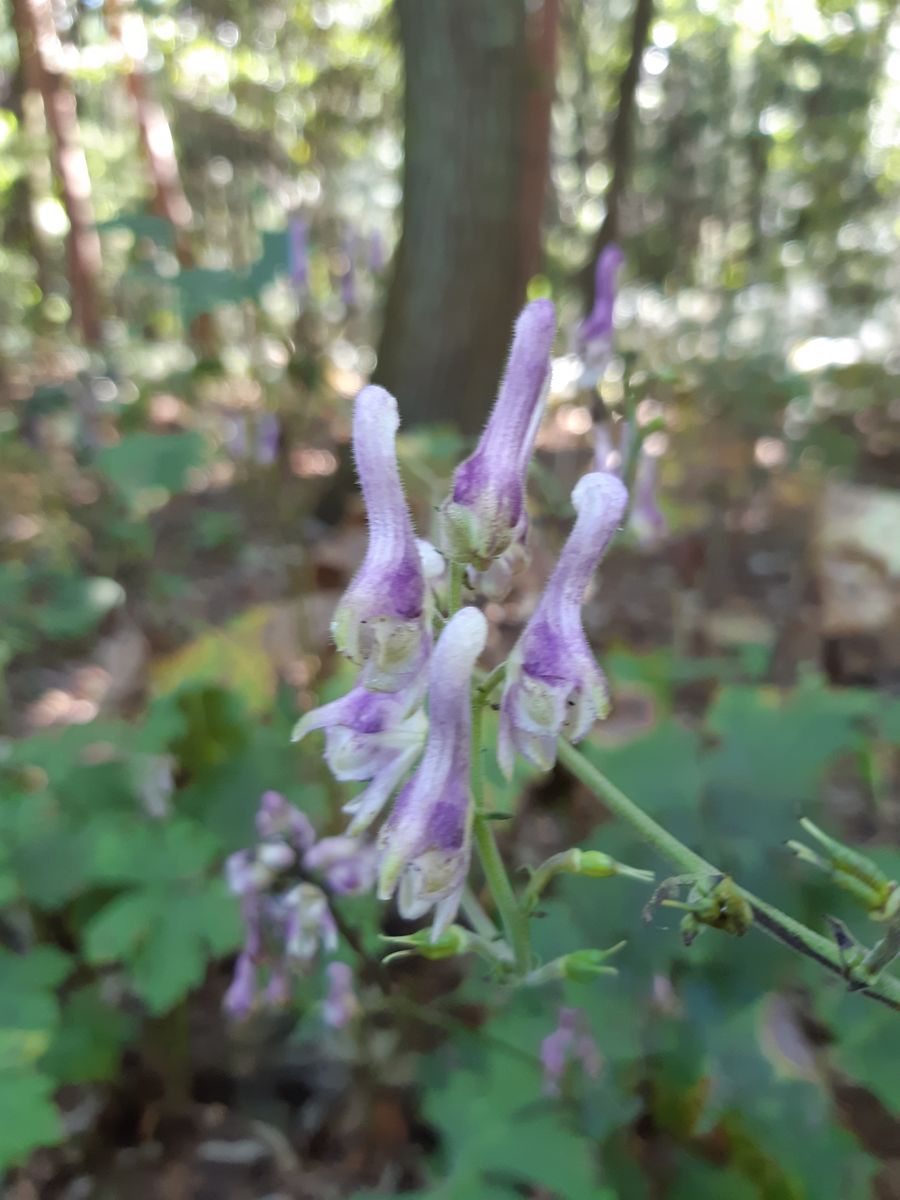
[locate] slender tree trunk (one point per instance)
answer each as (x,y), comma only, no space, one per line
(621,142)
(477,108)
(127,26)
(42,63)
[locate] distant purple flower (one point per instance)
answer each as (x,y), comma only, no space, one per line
(307,924)
(348,275)
(375,736)
(298,252)
(276,818)
(341,1004)
(553,684)
(425,843)
(596,329)
(283,935)
(380,621)
(268,432)
(377,257)
(241,994)
(569,1042)
(647,521)
(486,506)
(347,865)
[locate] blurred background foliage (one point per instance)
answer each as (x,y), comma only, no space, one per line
(211,239)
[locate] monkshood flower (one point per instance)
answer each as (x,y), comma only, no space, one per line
(647,521)
(553,684)
(374,736)
(298,252)
(496,582)
(570,1042)
(425,843)
(347,865)
(276,818)
(596,330)
(341,1004)
(486,506)
(380,622)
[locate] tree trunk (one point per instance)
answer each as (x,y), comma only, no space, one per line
(42,63)
(157,144)
(479,82)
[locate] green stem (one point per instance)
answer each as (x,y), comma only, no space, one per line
(515,923)
(776,923)
(481,922)
(457,571)
(489,683)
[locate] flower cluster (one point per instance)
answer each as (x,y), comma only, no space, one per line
(378,734)
(287,918)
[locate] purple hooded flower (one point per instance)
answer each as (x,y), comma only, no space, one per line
(569,1042)
(347,865)
(341,1004)
(485,510)
(553,684)
(596,329)
(380,621)
(375,736)
(425,843)
(298,252)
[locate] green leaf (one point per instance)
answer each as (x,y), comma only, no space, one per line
(28,1116)
(143,463)
(88,1043)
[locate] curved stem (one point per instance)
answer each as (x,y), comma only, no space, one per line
(777,924)
(457,571)
(515,923)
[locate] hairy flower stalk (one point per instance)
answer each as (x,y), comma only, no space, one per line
(485,510)
(374,736)
(425,843)
(380,622)
(553,684)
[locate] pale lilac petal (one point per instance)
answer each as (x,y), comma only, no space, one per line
(380,622)
(425,843)
(487,500)
(553,685)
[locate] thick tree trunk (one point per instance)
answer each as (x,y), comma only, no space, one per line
(42,64)
(479,82)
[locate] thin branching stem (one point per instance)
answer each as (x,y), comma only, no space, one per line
(776,923)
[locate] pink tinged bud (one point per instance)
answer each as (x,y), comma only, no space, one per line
(374,736)
(486,506)
(240,997)
(553,684)
(341,1005)
(347,865)
(425,843)
(380,622)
